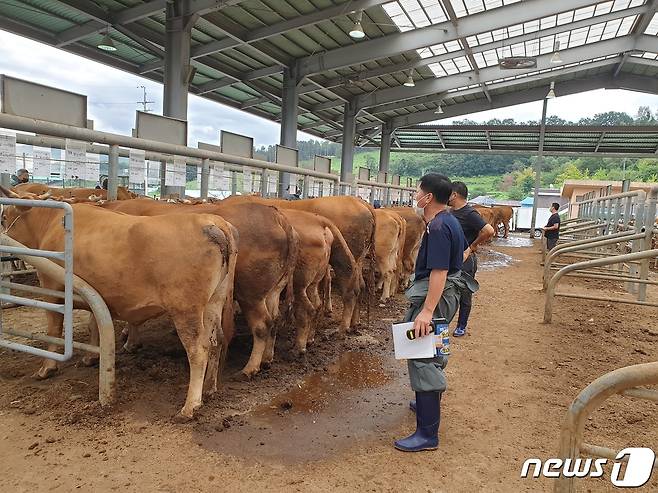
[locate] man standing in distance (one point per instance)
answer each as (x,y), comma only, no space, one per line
(477,232)
(552,228)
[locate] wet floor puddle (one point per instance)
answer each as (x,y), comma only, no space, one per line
(513,242)
(352,402)
(352,371)
(490,260)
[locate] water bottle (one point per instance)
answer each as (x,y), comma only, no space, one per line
(441,337)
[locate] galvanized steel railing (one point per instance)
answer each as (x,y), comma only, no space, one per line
(604,215)
(624,381)
(85,297)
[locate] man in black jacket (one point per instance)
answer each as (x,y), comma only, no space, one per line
(477,232)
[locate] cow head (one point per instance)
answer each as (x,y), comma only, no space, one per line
(12,213)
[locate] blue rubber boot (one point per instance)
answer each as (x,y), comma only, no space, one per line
(428,417)
(459,332)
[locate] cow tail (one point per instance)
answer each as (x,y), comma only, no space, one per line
(342,261)
(370,291)
(291,260)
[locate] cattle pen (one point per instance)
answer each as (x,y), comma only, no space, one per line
(182,310)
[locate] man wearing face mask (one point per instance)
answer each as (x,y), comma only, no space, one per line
(434,293)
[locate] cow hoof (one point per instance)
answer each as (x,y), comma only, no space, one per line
(265,365)
(181,418)
(207,393)
(44,373)
(245,376)
(90,360)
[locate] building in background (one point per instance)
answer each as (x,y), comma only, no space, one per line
(574,191)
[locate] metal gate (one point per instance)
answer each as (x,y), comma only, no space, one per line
(86,297)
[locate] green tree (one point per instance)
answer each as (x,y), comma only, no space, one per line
(647,169)
(571,172)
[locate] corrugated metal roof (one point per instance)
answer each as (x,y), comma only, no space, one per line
(450,48)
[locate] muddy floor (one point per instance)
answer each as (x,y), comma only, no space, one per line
(327,423)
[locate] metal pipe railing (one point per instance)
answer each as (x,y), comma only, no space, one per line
(106,348)
(550,289)
(584,245)
(165,149)
(621,381)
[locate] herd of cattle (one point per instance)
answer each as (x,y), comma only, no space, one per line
(275,261)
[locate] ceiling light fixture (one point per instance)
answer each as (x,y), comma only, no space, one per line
(410,80)
(556,58)
(106,43)
(439,110)
(357,30)
(551,92)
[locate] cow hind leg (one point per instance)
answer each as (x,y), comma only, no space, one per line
(49,366)
(272,304)
(91,359)
(303,310)
(259,321)
(195,337)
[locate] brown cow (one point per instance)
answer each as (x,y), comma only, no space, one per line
(265,263)
(354,219)
(74,192)
(310,226)
(502,215)
(389,242)
(415,226)
(311,269)
(157,253)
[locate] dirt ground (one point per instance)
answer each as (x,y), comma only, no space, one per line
(327,424)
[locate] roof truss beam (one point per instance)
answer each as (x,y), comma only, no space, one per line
(630,82)
(423,62)
(393,44)
(490,74)
(122,17)
(279,28)
(641,24)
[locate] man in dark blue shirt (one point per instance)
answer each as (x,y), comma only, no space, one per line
(434,293)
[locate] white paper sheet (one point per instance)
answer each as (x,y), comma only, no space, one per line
(7,153)
(423,347)
(41,163)
(137,165)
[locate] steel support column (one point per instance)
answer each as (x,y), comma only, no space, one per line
(289,104)
(385,147)
(113,172)
(347,152)
(538,166)
(178,72)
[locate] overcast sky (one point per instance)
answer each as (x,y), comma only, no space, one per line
(113,95)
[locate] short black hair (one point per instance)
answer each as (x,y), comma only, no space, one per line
(555,206)
(460,188)
(438,185)
(22,171)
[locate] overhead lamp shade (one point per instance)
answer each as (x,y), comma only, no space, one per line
(551,92)
(357,31)
(410,81)
(439,110)
(556,58)
(106,44)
